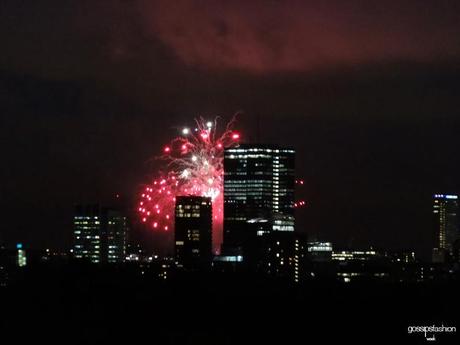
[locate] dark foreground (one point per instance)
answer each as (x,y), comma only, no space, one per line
(90,305)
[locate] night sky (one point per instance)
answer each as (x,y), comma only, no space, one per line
(368,92)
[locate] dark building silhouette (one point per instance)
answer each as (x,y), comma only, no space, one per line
(258,194)
(99,234)
(445,222)
(281,255)
(193,232)
(5,264)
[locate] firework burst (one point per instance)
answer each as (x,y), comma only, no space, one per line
(193,165)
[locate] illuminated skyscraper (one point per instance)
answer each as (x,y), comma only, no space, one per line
(193,232)
(445,209)
(258,192)
(21,255)
(114,235)
(87,233)
(99,234)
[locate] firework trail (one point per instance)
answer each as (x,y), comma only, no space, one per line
(193,166)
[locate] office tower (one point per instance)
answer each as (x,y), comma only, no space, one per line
(4,261)
(116,227)
(281,255)
(21,255)
(445,222)
(99,234)
(193,232)
(87,233)
(258,193)
(319,251)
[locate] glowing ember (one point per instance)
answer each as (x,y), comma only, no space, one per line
(194,166)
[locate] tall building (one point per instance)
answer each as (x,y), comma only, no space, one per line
(99,234)
(116,228)
(445,221)
(21,255)
(258,193)
(193,232)
(281,255)
(4,263)
(87,233)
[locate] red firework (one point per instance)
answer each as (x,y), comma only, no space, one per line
(193,166)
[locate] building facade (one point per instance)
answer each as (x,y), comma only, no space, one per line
(259,183)
(115,235)
(99,234)
(445,222)
(193,232)
(21,255)
(281,255)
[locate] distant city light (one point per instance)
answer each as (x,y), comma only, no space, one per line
(446,196)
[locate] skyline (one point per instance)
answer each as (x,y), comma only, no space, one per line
(230,172)
(369,101)
(315,234)
(138,224)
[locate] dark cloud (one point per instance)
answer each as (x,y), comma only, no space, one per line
(264,36)
(86,38)
(101,40)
